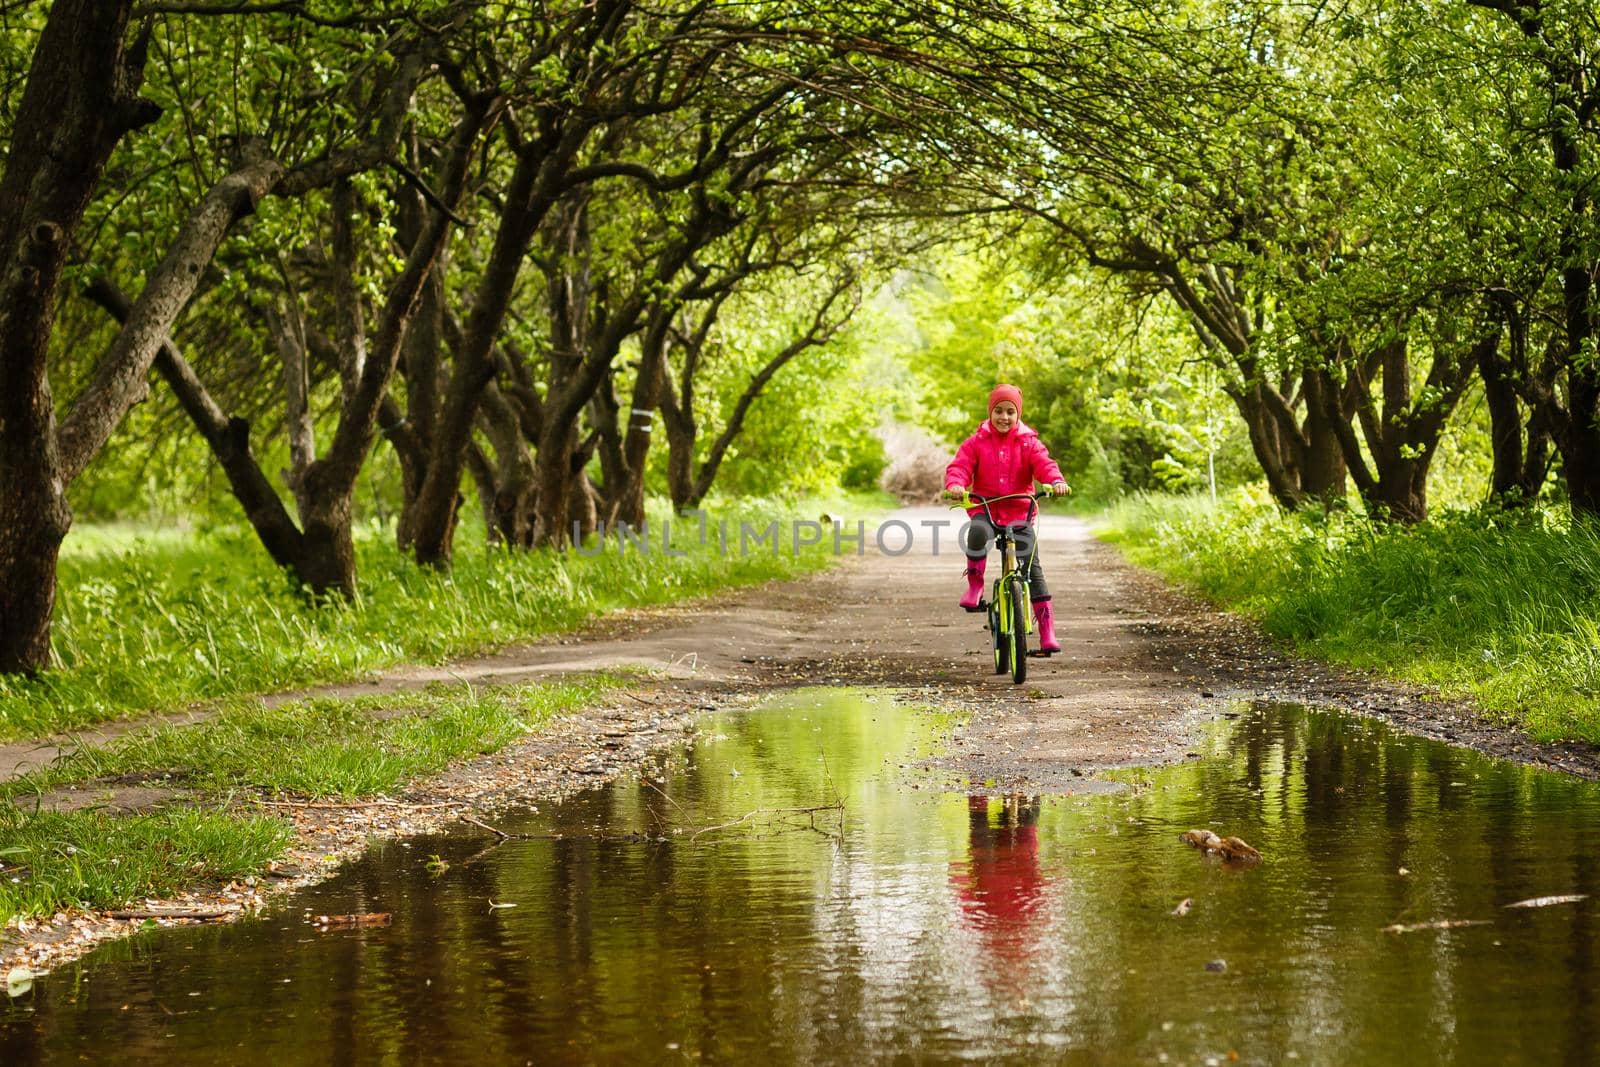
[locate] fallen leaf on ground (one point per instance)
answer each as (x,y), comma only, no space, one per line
(1234,848)
(18,981)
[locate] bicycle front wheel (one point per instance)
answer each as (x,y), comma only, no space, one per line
(1019,637)
(997,635)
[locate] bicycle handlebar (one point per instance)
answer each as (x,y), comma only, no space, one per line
(970,499)
(976,499)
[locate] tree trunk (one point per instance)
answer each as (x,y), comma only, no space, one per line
(320,552)
(419,366)
(1403,435)
(625,464)
(1579,437)
(327,562)
(534,188)
(554,476)
(1520,450)
(510,505)
(413,470)
(120,377)
(34,516)
(288,326)
(229,439)
(603,416)
(1402,492)
(482,475)
(1580,459)
(80,98)
(1575,426)
(1323,474)
(1267,446)
(681,434)
(583,507)
(330,481)
(434,514)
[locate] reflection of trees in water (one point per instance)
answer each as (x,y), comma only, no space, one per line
(1584,1037)
(20,1041)
(737,945)
(1357,802)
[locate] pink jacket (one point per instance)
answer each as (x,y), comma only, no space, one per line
(992,464)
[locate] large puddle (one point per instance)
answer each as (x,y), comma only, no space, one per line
(917,925)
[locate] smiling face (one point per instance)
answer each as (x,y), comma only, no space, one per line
(1003,416)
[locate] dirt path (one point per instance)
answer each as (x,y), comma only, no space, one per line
(1142,664)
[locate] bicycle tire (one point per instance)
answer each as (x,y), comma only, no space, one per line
(1019,638)
(999,638)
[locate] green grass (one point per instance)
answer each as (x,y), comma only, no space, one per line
(158,623)
(323,747)
(92,859)
(1499,607)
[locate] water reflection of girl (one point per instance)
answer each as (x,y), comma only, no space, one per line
(1000,890)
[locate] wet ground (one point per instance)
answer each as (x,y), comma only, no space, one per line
(1143,667)
(800,886)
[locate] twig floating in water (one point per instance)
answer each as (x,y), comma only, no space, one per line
(747,816)
(364,918)
(501,834)
(1545,902)
(1437,924)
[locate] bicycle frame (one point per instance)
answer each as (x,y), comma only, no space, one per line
(1010,620)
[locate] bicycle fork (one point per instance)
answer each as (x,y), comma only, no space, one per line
(1011,585)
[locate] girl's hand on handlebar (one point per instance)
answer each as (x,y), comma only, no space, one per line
(1060,489)
(954,494)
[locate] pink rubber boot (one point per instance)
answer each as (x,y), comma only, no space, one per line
(974,593)
(1045,617)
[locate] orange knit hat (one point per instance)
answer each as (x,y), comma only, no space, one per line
(1006,392)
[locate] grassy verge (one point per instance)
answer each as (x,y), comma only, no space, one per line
(142,625)
(322,747)
(1503,608)
(92,859)
(312,748)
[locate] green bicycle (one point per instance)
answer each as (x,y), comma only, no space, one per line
(1010,621)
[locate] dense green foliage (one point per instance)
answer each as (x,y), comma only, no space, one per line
(1117,391)
(1501,606)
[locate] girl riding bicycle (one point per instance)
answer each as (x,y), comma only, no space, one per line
(1004,456)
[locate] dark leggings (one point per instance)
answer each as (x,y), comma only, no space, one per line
(980,538)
